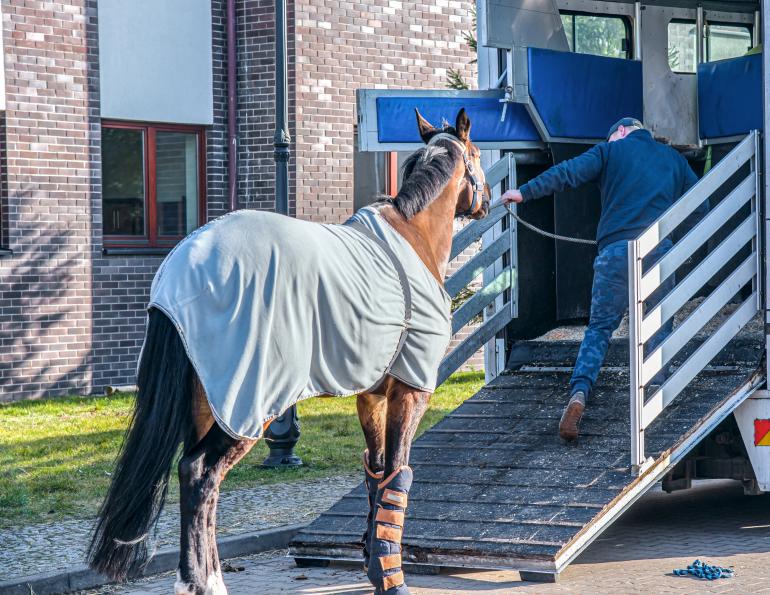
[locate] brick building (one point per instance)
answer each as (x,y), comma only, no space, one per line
(114,145)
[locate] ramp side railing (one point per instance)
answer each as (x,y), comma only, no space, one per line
(644,323)
(499,254)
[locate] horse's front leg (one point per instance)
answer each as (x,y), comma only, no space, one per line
(406,407)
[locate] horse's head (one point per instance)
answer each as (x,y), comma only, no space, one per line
(473,193)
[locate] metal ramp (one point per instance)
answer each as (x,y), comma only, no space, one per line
(494,485)
(496,488)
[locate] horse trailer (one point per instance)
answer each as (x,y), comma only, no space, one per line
(496,488)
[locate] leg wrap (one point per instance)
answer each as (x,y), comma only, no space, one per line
(371,481)
(385,546)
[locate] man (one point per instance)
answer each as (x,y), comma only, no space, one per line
(639,178)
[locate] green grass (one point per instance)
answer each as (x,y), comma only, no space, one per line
(56,454)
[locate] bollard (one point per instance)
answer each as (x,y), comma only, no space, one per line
(281,437)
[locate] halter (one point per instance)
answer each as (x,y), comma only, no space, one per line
(478,187)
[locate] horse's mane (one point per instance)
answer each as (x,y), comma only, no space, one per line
(425,173)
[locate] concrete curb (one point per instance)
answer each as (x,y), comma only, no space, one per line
(82,577)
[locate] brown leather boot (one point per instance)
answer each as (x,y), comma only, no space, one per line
(569,425)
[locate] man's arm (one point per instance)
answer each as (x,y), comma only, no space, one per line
(567,174)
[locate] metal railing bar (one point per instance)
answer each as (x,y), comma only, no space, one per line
(473,231)
(476,265)
(698,318)
(685,206)
(498,171)
(697,278)
(697,236)
(481,299)
(472,343)
(698,360)
(635,353)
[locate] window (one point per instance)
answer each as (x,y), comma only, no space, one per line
(727,41)
(682,46)
(153,183)
(722,41)
(606,36)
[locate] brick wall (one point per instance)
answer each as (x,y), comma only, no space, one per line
(71,318)
(344,45)
(51,132)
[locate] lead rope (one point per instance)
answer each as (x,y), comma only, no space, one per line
(548,234)
(705,571)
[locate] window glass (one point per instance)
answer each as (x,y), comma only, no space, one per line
(596,35)
(682,46)
(727,41)
(123,182)
(176,174)
(568,22)
(722,41)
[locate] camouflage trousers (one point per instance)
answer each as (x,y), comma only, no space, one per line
(609,302)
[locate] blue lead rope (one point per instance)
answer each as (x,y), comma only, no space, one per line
(705,571)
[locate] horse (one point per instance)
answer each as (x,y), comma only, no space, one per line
(217,412)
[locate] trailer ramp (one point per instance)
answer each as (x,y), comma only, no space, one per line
(495,488)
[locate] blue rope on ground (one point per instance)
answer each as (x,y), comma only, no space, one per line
(705,571)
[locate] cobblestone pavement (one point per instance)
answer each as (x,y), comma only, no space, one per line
(28,550)
(714,521)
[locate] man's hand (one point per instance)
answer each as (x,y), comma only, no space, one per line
(512,196)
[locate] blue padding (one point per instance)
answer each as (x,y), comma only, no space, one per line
(730,96)
(581,96)
(396,122)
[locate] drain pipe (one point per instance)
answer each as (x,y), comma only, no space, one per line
(232,108)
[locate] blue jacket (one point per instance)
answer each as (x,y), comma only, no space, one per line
(639,178)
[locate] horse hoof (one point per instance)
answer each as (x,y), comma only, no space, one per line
(214,585)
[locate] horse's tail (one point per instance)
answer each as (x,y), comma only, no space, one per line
(161,420)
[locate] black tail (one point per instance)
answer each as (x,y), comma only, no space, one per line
(161,420)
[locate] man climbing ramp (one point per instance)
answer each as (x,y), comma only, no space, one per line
(639,178)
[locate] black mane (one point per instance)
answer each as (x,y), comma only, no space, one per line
(425,173)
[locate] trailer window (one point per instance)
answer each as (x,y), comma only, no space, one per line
(727,41)
(722,41)
(682,46)
(597,35)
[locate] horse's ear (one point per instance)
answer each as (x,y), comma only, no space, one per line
(463,126)
(426,128)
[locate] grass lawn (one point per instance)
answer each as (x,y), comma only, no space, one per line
(56,454)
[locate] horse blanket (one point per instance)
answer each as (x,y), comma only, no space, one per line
(272,310)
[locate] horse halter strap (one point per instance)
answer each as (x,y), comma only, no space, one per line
(478,187)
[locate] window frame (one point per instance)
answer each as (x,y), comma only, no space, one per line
(151,238)
(706,39)
(709,24)
(623,19)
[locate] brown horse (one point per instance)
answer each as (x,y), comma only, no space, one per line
(442,181)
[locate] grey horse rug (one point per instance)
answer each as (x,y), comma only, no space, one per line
(273,310)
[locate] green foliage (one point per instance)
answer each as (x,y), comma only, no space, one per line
(455,80)
(56,455)
(597,35)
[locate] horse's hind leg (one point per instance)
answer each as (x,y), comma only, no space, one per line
(406,407)
(372,410)
(201,470)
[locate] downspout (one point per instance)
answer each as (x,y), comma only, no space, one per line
(232,107)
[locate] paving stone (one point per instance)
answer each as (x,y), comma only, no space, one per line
(714,522)
(45,548)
